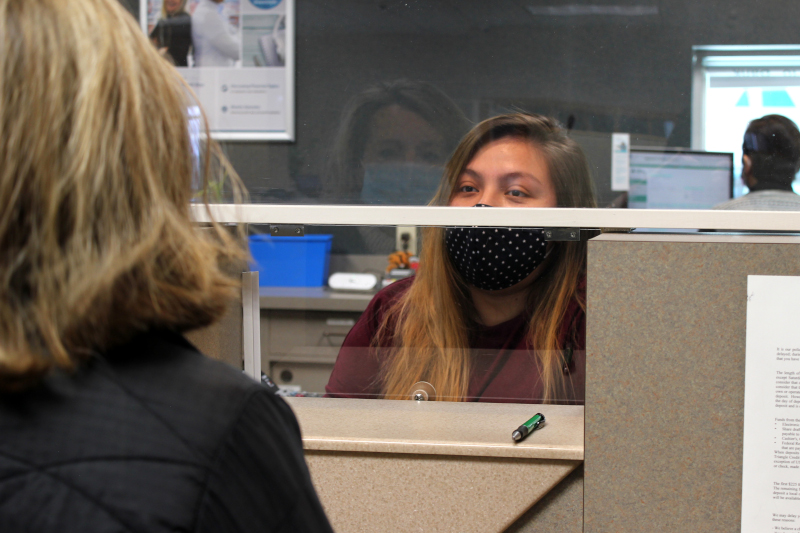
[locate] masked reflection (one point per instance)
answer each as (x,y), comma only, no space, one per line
(392,145)
(770,161)
(493,314)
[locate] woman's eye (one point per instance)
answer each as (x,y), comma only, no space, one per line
(467,188)
(517,194)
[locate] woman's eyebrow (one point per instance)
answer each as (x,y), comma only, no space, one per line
(511,176)
(471,172)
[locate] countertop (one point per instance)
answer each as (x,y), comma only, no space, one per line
(438,428)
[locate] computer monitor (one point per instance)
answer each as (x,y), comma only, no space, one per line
(679,179)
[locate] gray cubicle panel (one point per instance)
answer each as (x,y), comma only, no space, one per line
(222,340)
(665,377)
(235,337)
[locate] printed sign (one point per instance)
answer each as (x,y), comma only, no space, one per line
(238,57)
(771,464)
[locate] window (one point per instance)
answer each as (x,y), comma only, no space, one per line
(733,85)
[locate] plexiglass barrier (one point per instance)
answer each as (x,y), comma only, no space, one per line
(455,313)
(468,309)
(651,117)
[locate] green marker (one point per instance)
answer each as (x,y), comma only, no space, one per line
(528,427)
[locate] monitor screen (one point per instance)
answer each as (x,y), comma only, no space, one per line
(669,179)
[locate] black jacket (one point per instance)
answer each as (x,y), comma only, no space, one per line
(153,437)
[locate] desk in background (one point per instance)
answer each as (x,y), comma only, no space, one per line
(302,329)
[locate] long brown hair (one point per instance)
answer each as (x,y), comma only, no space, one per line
(96,170)
(431,322)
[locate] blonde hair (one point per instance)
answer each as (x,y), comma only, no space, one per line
(431,322)
(97,164)
(164,14)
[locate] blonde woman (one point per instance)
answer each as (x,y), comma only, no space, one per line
(109,419)
(493,314)
(173,32)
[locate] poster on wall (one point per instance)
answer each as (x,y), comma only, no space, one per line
(238,57)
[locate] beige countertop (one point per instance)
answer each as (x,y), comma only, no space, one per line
(438,428)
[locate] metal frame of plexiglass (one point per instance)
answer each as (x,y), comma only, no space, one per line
(620,219)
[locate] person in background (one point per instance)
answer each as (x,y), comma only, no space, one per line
(173,32)
(110,420)
(493,314)
(392,144)
(770,161)
(214,40)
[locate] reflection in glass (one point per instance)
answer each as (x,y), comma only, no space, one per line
(392,143)
(493,314)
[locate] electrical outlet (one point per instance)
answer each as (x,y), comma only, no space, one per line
(403,244)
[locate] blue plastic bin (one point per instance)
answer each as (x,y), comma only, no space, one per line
(291,261)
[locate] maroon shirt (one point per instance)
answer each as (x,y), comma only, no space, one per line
(504,368)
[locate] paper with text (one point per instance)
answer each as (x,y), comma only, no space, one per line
(771,464)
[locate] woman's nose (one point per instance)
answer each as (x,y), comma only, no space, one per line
(489,198)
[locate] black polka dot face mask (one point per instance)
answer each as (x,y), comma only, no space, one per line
(495,258)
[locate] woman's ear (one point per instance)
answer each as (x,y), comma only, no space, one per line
(747,167)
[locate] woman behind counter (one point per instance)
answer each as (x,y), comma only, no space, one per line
(173,32)
(493,314)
